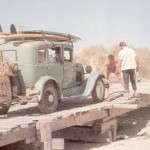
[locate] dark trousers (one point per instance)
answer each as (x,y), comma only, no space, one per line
(129,74)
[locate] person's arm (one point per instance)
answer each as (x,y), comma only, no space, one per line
(119,65)
(106,70)
(119,61)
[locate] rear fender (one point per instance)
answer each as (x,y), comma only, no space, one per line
(91,82)
(41,83)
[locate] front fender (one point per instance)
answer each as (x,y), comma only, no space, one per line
(41,83)
(91,82)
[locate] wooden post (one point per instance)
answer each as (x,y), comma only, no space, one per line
(44,135)
(113,132)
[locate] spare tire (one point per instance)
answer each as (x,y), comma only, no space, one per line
(5,87)
(4,106)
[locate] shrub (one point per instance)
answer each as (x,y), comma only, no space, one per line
(95,56)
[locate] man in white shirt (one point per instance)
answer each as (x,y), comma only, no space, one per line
(128,64)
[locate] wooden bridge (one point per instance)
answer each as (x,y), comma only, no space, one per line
(25,124)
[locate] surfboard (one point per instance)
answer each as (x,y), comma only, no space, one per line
(70,36)
(13,29)
(39,35)
(54,38)
(23,36)
(3,34)
(1,30)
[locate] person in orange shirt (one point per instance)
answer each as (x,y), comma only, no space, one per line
(111,66)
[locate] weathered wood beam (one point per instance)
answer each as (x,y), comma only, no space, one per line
(44,135)
(72,120)
(15,136)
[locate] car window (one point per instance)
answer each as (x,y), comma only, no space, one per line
(10,55)
(67,56)
(57,54)
(51,55)
(42,56)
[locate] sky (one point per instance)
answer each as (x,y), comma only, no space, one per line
(104,22)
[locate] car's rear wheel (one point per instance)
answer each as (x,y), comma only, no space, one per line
(98,93)
(49,101)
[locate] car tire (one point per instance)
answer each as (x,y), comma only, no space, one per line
(4,107)
(49,101)
(98,92)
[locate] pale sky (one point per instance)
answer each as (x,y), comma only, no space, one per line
(103,22)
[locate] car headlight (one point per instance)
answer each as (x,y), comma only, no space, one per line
(31,91)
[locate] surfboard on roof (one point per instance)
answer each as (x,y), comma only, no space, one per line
(38,35)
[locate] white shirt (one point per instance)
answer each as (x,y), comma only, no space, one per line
(127,55)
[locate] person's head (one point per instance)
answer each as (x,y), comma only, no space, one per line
(57,50)
(41,56)
(122,44)
(110,56)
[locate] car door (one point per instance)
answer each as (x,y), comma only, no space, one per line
(54,64)
(69,75)
(41,66)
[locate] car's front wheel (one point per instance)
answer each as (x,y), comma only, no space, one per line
(49,101)
(98,93)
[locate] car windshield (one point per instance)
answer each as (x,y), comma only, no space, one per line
(10,55)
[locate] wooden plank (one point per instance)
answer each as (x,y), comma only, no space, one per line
(18,135)
(57,143)
(79,119)
(8,129)
(30,140)
(85,115)
(118,112)
(44,135)
(125,106)
(114,96)
(83,133)
(21,134)
(108,124)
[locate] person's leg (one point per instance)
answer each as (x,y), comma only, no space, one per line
(107,86)
(133,80)
(126,83)
(119,76)
(107,74)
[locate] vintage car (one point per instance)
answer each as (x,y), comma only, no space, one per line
(39,65)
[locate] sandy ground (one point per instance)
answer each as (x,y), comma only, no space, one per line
(135,127)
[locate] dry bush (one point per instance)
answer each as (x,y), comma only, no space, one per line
(144,59)
(95,56)
(115,50)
